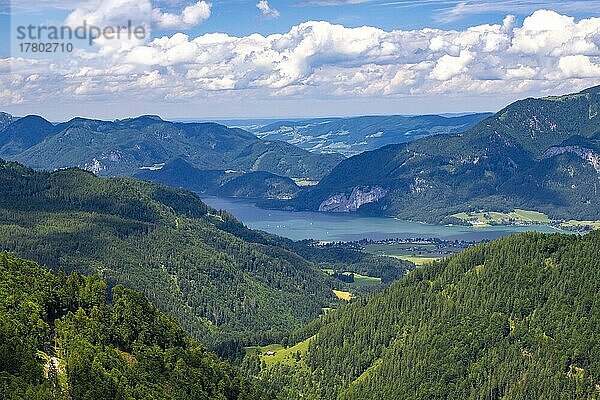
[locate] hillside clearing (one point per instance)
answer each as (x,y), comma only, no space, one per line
(282,355)
(342,295)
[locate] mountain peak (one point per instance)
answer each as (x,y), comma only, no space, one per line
(30,125)
(24,133)
(33,118)
(147,118)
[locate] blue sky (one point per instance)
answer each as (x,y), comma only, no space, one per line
(413,57)
(241,17)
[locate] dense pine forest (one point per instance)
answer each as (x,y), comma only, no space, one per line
(61,339)
(226,285)
(518,318)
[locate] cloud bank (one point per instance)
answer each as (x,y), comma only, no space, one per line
(317,59)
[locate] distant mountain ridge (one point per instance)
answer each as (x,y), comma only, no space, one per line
(123,147)
(353,135)
(535,154)
(210,157)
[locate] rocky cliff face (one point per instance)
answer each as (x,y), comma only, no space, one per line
(341,202)
(587,155)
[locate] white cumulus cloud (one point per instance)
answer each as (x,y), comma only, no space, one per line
(140,12)
(579,66)
(449,66)
(266,9)
(548,52)
(190,16)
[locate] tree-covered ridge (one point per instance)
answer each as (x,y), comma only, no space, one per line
(225,284)
(536,154)
(518,318)
(61,339)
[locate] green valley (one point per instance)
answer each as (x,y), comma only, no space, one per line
(224,283)
(521,217)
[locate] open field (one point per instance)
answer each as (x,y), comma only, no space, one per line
(518,216)
(580,224)
(530,216)
(359,280)
(419,260)
(342,295)
(364,280)
(417,253)
(302,182)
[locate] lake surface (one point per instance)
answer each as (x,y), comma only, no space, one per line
(348,227)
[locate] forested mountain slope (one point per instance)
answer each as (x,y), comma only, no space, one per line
(257,184)
(517,318)
(60,338)
(122,147)
(536,154)
(224,283)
